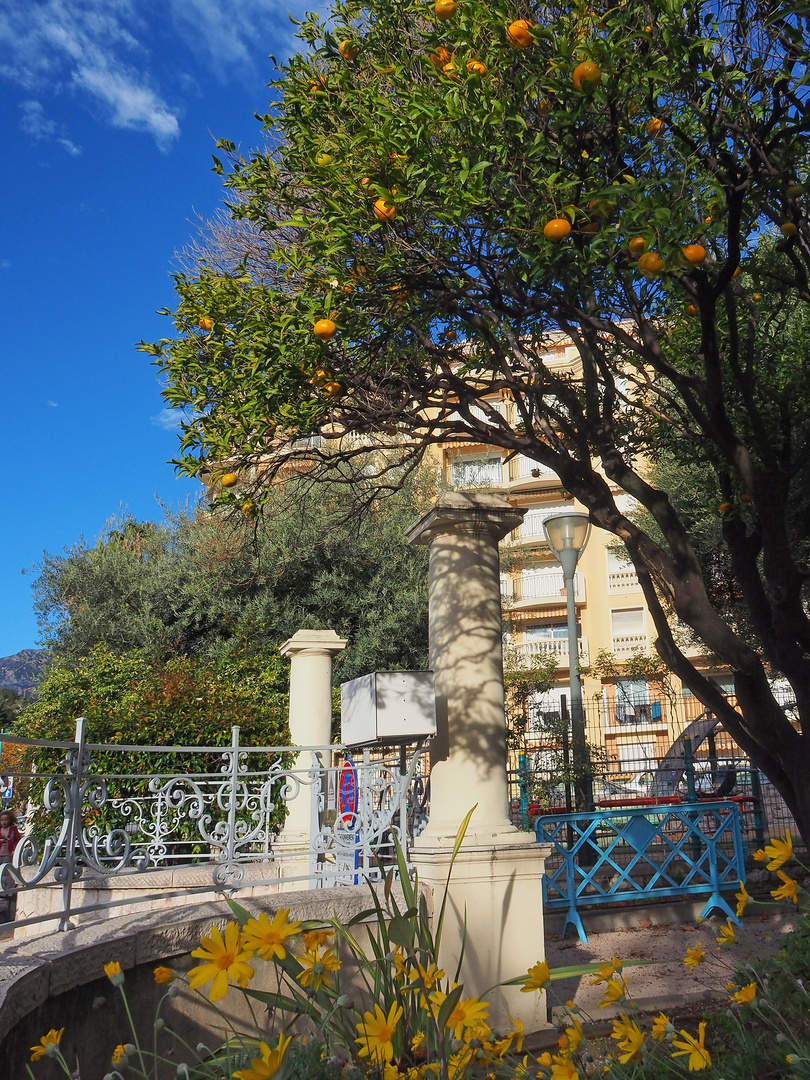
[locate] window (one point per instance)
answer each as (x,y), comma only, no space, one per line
(553,632)
(476,472)
(628,629)
(620,571)
(633,705)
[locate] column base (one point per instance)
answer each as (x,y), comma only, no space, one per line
(498,889)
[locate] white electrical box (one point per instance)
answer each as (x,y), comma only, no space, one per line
(388,707)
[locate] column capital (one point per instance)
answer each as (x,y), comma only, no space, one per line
(313,641)
(463,512)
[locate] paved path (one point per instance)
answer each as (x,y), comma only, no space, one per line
(667,983)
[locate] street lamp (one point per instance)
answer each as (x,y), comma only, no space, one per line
(567,535)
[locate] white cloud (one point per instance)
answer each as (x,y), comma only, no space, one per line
(70,146)
(168,419)
(90,46)
(52,404)
(35,123)
(130,105)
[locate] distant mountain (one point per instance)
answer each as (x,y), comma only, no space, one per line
(23,671)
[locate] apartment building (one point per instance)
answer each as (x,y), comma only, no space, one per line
(633,718)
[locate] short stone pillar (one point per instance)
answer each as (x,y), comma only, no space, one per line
(496,884)
(310,653)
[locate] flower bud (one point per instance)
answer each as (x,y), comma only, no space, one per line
(160,1024)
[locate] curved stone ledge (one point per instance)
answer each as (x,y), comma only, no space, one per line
(57,980)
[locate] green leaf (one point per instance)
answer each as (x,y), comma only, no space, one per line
(448,1005)
(240,914)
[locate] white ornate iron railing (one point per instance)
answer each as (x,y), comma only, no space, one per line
(226,813)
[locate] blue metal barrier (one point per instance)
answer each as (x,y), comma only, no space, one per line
(634,853)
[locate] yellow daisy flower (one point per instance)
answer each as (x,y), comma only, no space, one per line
(746,994)
(114,973)
(631,1043)
(162,975)
(53,1038)
(563,1068)
(224,959)
(602,974)
(726,935)
(417,1040)
(699,1057)
(430,976)
(268,1064)
(315,939)
(786,891)
(742,899)
(544,1059)
(536,978)
(575,1034)
(117,1054)
(694,956)
(759,855)
(317,968)
(779,851)
(614,991)
(662,1025)
(267,938)
(467,1014)
(376,1031)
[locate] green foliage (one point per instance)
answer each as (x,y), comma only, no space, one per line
(199,585)
(693,141)
(132,700)
(10,705)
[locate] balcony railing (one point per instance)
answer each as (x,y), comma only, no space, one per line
(524,469)
(620,580)
(532,526)
(543,588)
(627,644)
(536,648)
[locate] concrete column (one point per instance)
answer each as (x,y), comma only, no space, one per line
(468,755)
(495,889)
(311,653)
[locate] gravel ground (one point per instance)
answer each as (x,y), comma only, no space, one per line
(667,983)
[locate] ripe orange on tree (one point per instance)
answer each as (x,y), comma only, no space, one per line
(475,67)
(249,509)
(637,246)
(385,210)
(324,329)
(206,323)
(440,56)
(691,309)
(589,228)
(324,159)
(347,50)
(694,253)
(651,263)
(788,229)
(450,70)
(445,9)
(228,480)
(756,297)
(586,75)
(518,34)
(451,335)
(557,229)
(655,125)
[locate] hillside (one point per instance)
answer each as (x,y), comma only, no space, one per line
(23,670)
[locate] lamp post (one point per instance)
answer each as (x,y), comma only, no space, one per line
(567,535)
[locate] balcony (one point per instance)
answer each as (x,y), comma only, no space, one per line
(539,589)
(523,472)
(628,644)
(529,651)
(531,530)
(622,580)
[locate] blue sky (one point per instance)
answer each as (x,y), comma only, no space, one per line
(109,111)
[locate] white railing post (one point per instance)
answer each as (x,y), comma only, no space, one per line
(66,869)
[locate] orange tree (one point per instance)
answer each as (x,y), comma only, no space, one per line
(443,191)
